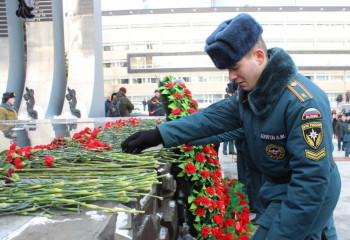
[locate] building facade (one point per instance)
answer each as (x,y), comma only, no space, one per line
(141,47)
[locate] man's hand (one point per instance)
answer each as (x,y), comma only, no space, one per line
(141,140)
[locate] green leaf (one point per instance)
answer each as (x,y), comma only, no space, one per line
(181,174)
(198,219)
(182,165)
(191,199)
(165,91)
(194,178)
(193,207)
(172,106)
(197,226)
(185,105)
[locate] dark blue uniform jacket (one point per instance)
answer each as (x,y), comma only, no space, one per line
(287,123)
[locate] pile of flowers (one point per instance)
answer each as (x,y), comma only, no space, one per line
(220,208)
(70,172)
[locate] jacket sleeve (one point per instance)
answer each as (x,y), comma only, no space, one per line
(223,137)
(342,131)
(310,145)
(129,105)
(216,119)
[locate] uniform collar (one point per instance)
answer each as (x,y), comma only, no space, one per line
(279,71)
(8,106)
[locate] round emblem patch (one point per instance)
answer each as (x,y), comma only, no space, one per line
(275,151)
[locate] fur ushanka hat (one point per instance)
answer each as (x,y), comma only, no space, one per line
(232,40)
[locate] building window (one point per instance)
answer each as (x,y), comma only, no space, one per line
(347,78)
(107,48)
(124,81)
(322,77)
(215,79)
(137,80)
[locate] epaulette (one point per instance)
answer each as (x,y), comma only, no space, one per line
(299,91)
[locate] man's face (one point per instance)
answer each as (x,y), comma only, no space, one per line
(157,94)
(245,73)
(11,101)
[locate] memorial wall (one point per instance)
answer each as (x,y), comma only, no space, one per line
(53,61)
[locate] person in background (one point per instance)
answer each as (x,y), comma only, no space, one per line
(120,106)
(339,99)
(345,134)
(7,110)
(286,121)
(230,90)
(334,121)
(347,96)
(338,130)
(108,103)
(155,107)
(144,103)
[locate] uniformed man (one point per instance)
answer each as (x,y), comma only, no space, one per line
(345,134)
(287,124)
(7,110)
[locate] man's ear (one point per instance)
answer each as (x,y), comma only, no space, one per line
(260,56)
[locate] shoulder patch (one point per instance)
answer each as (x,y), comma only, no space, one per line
(299,91)
(315,156)
(313,133)
(311,113)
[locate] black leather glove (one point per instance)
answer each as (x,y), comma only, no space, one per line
(141,140)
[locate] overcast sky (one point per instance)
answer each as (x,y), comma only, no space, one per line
(146,4)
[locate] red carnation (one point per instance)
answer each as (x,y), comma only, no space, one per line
(187,148)
(229,222)
(176,111)
(18,163)
(200,157)
(243,237)
(240,195)
(49,160)
(182,85)
(200,212)
(217,232)
(178,95)
(194,102)
(228,236)
(13,146)
(190,168)
(210,190)
(218,219)
(244,218)
(212,205)
(205,231)
(205,174)
(188,92)
(170,85)
(207,150)
(191,110)
(242,203)
(8,175)
(9,155)
(218,192)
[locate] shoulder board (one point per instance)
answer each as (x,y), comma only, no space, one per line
(299,91)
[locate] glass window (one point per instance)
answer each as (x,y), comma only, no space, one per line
(124,81)
(137,80)
(121,63)
(309,76)
(347,78)
(322,77)
(215,79)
